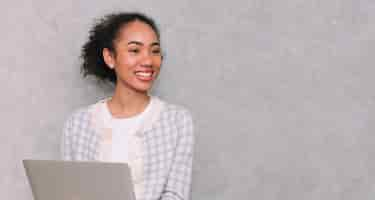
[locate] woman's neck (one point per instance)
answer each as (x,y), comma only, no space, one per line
(127,102)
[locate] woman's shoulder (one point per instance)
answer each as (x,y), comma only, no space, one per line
(174,111)
(176,116)
(82,114)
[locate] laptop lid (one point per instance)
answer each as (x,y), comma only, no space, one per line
(79,180)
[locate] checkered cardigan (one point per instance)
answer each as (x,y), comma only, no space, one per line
(166,148)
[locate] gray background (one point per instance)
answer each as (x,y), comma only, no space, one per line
(282,91)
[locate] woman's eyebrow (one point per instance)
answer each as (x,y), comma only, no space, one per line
(135,42)
(141,44)
(155,44)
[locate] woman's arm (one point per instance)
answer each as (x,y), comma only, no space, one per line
(178,185)
(66,150)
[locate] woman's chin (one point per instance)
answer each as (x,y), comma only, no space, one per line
(143,88)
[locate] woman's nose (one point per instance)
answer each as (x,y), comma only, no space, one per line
(147,59)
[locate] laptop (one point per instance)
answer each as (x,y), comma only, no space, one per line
(79,180)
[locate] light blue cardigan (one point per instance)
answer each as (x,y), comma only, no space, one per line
(165,143)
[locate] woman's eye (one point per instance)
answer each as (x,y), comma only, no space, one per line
(156,51)
(133,50)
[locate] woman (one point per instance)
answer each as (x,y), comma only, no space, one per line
(154,137)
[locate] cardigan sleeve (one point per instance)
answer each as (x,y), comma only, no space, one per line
(66,149)
(178,186)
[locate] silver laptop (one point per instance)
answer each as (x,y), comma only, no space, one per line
(71,180)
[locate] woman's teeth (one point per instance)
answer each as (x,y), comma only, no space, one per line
(144,74)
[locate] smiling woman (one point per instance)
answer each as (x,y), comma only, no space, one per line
(153,137)
(137,57)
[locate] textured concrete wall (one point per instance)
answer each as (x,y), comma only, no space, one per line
(282,91)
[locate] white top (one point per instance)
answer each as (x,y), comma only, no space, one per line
(122,133)
(121,143)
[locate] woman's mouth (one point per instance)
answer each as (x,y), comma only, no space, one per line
(144,75)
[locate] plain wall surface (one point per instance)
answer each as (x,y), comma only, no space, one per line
(282,92)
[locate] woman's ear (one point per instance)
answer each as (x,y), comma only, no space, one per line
(108,58)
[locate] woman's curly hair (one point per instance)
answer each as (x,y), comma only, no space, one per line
(102,35)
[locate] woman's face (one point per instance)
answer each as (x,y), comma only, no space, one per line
(138,56)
